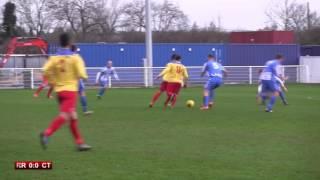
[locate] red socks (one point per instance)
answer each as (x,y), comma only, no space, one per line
(54,126)
(58,122)
(39,89)
(75,131)
(156,97)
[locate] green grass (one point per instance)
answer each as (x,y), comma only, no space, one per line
(236,140)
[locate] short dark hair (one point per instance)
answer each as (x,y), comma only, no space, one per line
(65,39)
(177,58)
(211,56)
(173,56)
(279,56)
(74,48)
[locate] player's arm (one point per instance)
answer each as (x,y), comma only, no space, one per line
(165,71)
(204,70)
(185,77)
(225,73)
(115,74)
(81,68)
(98,77)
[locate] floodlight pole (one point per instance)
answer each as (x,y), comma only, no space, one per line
(149,55)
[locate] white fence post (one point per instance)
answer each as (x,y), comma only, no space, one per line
(32,78)
(145,72)
(250,75)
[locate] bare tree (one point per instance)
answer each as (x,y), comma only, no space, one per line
(168,17)
(290,15)
(165,17)
(76,14)
(107,15)
(133,17)
(34,16)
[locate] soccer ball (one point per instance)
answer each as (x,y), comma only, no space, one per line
(190,103)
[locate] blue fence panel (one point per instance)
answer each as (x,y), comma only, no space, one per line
(192,54)
(131,55)
(96,55)
(257,55)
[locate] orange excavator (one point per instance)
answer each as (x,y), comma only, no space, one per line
(17,42)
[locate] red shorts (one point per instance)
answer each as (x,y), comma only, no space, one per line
(44,81)
(67,101)
(173,88)
(163,86)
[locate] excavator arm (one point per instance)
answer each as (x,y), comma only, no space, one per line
(17,42)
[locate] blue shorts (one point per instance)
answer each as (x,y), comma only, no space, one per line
(213,84)
(269,86)
(81,86)
(103,84)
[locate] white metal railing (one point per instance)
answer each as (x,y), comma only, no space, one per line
(138,76)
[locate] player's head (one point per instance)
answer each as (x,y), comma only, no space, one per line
(177,58)
(260,71)
(74,48)
(65,40)
(211,57)
(109,63)
(173,57)
(279,57)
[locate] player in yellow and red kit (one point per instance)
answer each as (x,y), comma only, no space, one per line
(163,86)
(63,71)
(176,74)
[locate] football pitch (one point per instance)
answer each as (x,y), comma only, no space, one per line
(236,140)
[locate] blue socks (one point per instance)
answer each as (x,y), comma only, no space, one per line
(83,100)
(205,101)
(272,102)
(101,92)
(212,95)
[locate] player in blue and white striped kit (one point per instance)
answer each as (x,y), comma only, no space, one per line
(104,76)
(269,82)
(215,72)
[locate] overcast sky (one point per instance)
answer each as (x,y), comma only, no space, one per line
(235,14)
